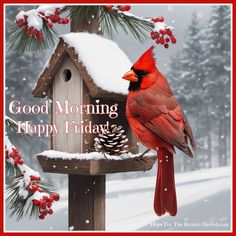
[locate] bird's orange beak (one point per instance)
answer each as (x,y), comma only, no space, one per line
(131,76)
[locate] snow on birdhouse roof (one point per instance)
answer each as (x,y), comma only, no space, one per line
(104,61)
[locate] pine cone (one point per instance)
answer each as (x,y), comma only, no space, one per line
(112,142)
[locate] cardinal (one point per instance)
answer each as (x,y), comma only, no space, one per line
(158,121)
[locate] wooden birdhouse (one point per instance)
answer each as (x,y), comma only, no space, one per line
(85,69)
(83,81)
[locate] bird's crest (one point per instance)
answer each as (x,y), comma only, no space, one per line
(147,61)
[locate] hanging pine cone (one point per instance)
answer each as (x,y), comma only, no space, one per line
(112,142)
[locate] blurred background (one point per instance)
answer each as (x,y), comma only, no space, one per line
(198,68)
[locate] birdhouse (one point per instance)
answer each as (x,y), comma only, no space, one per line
(83,79)
(85,69)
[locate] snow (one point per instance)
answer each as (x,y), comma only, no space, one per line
(27,172)
(39,195)
(191,187)
(159,26)
(34,20)
(86,156)
(105,62)
(20,15)
(49,9)
(129,204)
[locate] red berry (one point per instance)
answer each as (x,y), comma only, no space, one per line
(157,41)
(109,7)
(127,7)
(158,19)
(35,178)
(49,205)
(153,35)
(168,32)
(19,22)
(15,150)
(50,211)
(44,212)
(50,199)
(20,162)
(161,19)
(39,190)
(173,40)
(24,27)
(58,10)
(45,198)
(39,36)
(166,45)
(163,32)
(12,154)
(34,187)
(167,40)
(41,217)
(54,18)
(16,162)
(162,41)
(34,32)
(42,204)
(35,202)
(122,8)
(30,188)
(30,30)
(55,196)
(65,21)
(50,24)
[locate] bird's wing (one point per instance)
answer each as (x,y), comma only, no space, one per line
(188,130)
(162,115)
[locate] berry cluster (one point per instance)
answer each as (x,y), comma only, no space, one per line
(119,7)
(161,33)
(30,31)
(15,155)
(55,18)
(45,203)
(33,187)
(48,19)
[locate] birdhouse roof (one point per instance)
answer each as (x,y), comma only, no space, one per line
(100,61)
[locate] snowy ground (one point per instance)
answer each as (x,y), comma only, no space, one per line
(203,204)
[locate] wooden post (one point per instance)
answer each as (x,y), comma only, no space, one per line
(87,202)
(86,193)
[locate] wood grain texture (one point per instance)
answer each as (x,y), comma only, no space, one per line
(94,167)
(87,202)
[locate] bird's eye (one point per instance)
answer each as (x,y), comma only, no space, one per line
(143,72)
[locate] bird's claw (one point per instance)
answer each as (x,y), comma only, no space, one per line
(141,159)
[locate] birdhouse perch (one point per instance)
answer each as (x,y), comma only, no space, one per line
(86,69)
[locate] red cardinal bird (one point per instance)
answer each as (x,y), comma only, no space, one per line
(158,121)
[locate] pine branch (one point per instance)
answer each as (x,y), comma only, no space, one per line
(110,20)
(12,129)
(11,170)
(20,41)
(27,194)
(20,206)
(138,26)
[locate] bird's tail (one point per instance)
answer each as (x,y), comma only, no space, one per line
(165,194)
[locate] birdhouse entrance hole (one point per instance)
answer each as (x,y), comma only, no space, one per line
(66,75)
